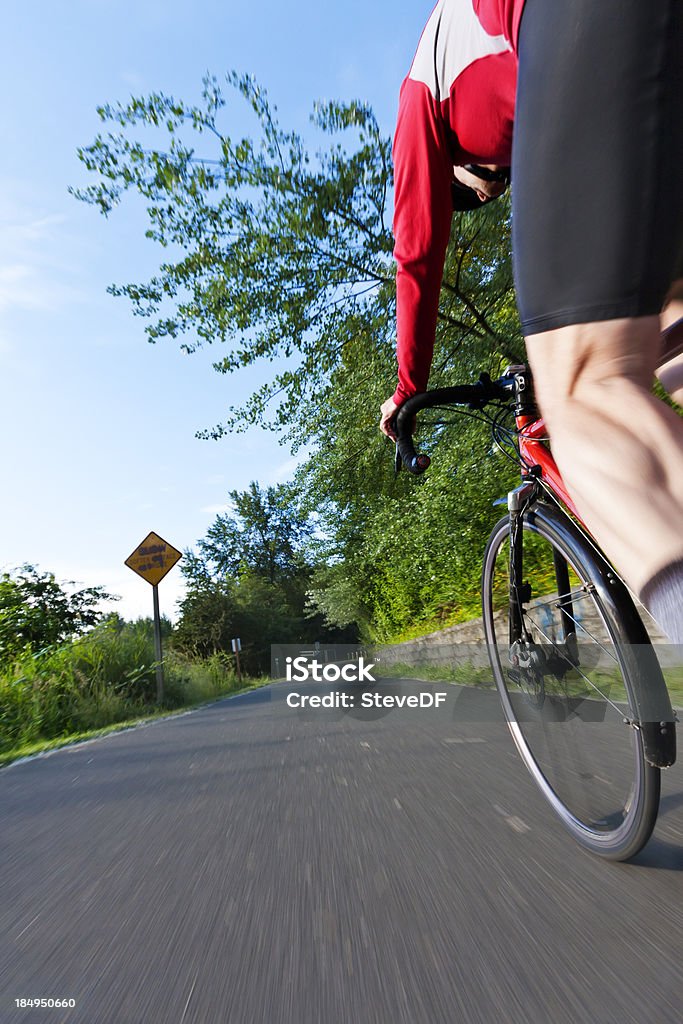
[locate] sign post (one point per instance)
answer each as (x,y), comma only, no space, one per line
(236,648)
(158,654)
(152,559)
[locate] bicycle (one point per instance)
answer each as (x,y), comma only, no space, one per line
(581,688)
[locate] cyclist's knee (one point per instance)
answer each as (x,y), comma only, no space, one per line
(581,363)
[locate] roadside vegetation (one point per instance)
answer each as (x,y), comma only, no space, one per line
(66,671)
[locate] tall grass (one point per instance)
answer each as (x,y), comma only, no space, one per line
(100,679)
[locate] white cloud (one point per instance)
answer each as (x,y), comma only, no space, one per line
(136,596)
(34,276)
(17,234)
(12,276)
(27,287)
(285,471)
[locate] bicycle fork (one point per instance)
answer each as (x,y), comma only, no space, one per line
(519,501)
(520,592)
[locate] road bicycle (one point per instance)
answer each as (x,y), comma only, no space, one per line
(580,684)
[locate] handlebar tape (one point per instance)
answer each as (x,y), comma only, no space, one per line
(473,395)
(406,454)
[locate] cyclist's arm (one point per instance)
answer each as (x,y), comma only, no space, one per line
(422,220)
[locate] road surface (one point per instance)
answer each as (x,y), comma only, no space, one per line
(255,864)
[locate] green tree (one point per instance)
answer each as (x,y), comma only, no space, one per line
(249,577)
(266,534)
(36,611)
(408,560)
(281,252)
(272,250)
(404,554)
(207,620)
(278,248)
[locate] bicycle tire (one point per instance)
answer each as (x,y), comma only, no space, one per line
(610,811)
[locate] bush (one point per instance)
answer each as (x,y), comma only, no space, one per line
(104,677)
(36,611)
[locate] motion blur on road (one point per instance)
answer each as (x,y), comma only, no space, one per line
(254,862)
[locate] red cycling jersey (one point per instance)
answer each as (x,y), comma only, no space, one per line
(500,17)
(456,107)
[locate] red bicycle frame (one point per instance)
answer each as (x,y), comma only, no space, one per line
(532,435)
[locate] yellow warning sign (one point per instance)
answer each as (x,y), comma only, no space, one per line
(153,559)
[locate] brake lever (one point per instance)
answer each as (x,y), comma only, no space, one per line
(398,461)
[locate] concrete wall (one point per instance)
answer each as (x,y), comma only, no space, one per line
(465,643)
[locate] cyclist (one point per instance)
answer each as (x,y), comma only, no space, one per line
(597,239)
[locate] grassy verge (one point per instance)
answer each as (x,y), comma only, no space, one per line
(103,681)
(7,756)
(674,682)
(465,674)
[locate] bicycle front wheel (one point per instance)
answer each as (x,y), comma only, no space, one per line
(569,681)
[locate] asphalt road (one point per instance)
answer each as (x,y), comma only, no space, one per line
(252,863)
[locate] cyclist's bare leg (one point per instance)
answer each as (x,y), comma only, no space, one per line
(620,449)
(592,113)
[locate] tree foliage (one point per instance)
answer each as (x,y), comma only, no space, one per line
(277,248)
(283,254)
(274,251)
(264,535)
(249,578)
(36,611)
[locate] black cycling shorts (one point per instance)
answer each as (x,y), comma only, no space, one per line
(597,167)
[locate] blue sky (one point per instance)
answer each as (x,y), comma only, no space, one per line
(97,425)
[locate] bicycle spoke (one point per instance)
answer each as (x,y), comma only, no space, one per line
(576,668)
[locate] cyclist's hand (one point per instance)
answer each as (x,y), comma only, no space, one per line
(388,410)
